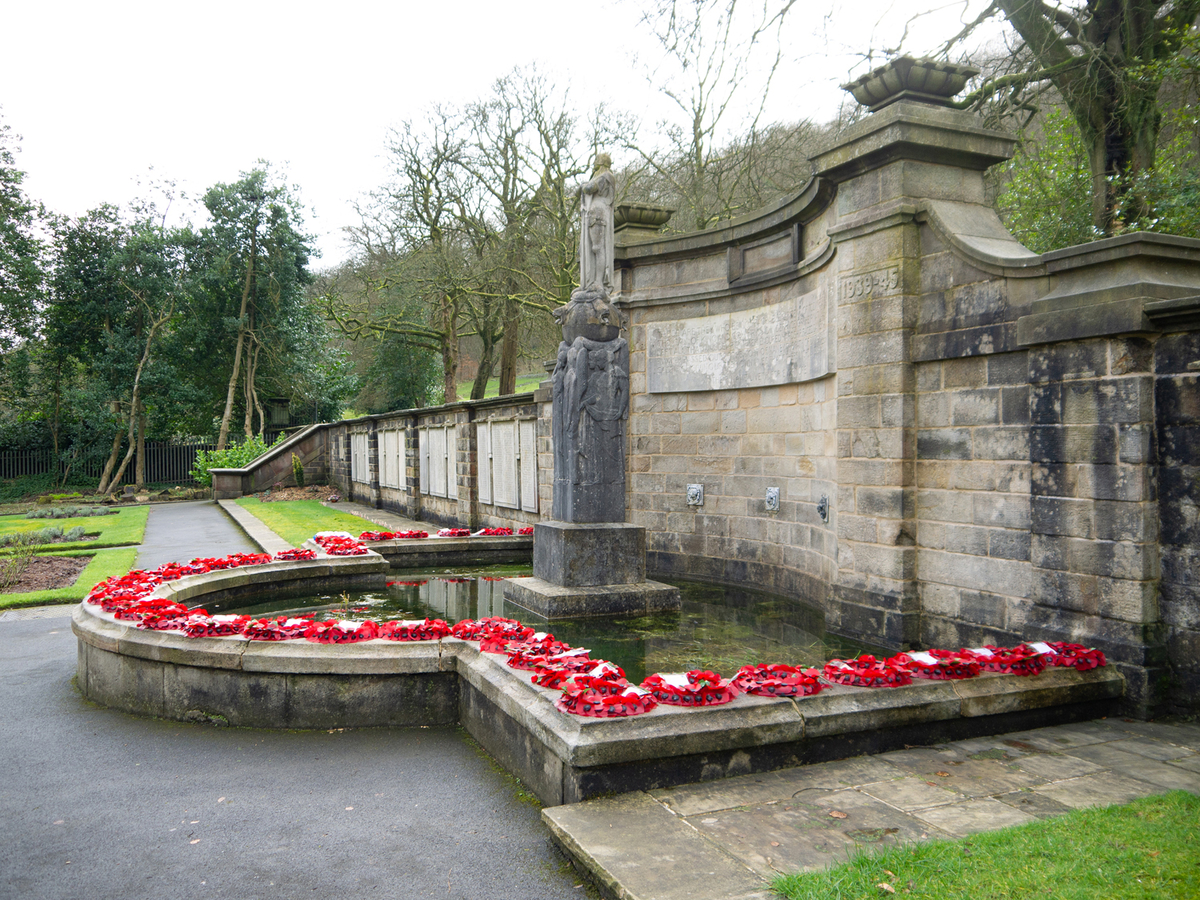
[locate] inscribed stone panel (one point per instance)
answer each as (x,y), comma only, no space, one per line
(401,458)
(390,468)
(423,458)
(782,343)
(437,462)
(387,440)
(483,446)
(359,467)
(504,464)
(529,479)
(452,462)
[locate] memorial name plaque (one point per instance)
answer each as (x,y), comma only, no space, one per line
(782,343)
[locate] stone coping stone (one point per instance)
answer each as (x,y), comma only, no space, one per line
(668,745)
(556,601)
(417,553)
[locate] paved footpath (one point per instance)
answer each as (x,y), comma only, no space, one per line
(722,840)
(181,531)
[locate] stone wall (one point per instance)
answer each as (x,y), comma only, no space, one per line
(1003,438)
(462,504)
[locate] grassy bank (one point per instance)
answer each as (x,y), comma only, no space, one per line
(1147,850)
(297,520)
(525,383)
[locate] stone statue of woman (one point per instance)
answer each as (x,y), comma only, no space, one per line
(596,228)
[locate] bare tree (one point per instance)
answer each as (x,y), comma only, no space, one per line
(720,59)
(475,236)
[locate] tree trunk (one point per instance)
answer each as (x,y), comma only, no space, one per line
(449,316)
(105,484)
(262,418)
(487,362)
(247,289)
(1119,155)
(125,462)
(140,469)
(111,462)
(135,402)
(509,348)
(248,389)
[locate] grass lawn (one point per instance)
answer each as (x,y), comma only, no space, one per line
(525,383)
(104,564)
(1148,850)
(126,528)
(297,520)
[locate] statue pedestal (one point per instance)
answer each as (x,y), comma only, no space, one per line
(589,570)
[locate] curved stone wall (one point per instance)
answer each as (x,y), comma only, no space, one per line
(561,758)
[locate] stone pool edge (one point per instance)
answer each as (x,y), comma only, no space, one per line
(561,758)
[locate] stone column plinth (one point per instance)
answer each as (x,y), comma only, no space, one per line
(589,570)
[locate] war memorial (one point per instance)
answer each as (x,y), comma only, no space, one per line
(867,399)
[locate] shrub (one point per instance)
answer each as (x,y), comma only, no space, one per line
(297,470)
(13,566)
(20,488)
(69,512)
(33,538)
(235,457)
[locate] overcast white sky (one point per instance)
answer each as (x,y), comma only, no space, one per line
(104,92)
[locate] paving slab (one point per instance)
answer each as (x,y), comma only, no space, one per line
(1152,749)
(973,816)
(1062,737)
(924,760)
(1051,767)
(1191,763)
(984,777)
(1035,804)
(1183,734)
(785,784)
(1165,775)
(911,793)
(1101,789)
(641,851)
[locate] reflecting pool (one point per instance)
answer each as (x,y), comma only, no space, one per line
(718,627)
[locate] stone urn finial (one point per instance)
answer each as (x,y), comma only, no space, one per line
(638,221)
(905,78)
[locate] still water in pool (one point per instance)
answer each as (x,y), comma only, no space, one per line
(720,628)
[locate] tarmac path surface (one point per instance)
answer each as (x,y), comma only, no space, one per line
(98,804)
(181,531)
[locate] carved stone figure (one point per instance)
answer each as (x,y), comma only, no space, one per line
(591,404)
(596,228)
